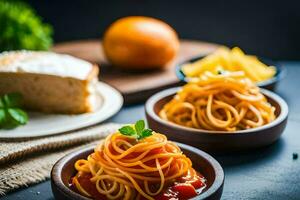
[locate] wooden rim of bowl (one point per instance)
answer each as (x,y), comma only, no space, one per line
(149,108)
(214,189)
(58,169)
(219,173)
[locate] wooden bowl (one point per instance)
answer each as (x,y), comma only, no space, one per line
(269,84)
(217,141)
(64,169)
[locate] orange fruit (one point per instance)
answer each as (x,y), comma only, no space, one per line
(140,43)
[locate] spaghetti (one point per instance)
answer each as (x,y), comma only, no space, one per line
(225,102)
(123,167)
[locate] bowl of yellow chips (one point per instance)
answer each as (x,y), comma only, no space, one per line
(264,72)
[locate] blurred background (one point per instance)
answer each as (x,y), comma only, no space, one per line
(265,28)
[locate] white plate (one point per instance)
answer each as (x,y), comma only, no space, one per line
(41,124)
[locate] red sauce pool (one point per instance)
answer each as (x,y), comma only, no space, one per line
(184,188)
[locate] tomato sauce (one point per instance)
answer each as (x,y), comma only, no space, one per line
(183,188)
(84,180)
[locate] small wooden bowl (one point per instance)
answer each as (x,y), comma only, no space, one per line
(217,141)
(64,169)
(269,84)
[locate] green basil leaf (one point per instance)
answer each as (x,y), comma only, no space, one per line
(139,126)
(127,130)
(2,117)
(145,133)
(2,106)
(12,100)
(8,122)
(220,71)
(18,115)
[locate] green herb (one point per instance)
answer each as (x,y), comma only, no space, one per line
(127,130)
(11,115)
(22,28)
(139,126)
(145,133)
(12,100)
(221,71)
(139,131)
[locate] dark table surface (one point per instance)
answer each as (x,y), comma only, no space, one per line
(267,173)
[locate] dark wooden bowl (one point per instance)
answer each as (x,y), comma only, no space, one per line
(269,84)
(217,141)
(64,169)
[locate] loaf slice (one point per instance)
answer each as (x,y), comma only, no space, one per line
(49,82)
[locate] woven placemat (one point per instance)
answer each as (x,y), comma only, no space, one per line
(29,161)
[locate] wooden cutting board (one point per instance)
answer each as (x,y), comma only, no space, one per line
(135,87)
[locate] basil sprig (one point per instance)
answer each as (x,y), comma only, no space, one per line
(139,131)
(11,115)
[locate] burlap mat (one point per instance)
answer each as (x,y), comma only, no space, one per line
(28,161)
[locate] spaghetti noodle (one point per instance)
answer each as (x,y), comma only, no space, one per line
(123,167)
(225,102)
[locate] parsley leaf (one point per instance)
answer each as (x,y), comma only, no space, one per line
(2,116)
(18,115)
(145,133)
(1,104)
(127,130)
(11,115)
(221,71)
(139,126)
(12,100)
(139,131)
